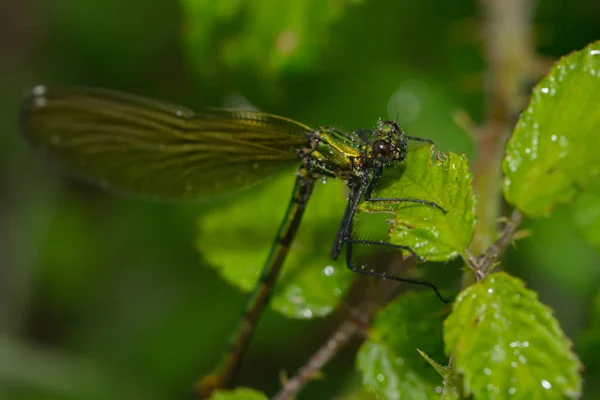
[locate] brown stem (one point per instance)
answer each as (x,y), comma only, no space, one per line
(485,263)
(357,321)
(312,368)
(509,51)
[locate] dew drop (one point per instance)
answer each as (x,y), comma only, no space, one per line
(546,385)
(512,391)
(545,90)
(553,138)
(307,313)
(329,270)
(487,371)
(380,378)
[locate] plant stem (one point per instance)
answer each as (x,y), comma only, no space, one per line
(357,321)
(509,52)
(311,369)
(485,263)
(510,55)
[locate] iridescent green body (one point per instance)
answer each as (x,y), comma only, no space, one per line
(335,154)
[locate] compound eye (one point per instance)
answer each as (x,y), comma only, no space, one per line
(382,149)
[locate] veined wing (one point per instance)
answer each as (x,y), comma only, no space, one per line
(156,149)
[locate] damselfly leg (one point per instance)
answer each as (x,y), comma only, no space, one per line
(346,230)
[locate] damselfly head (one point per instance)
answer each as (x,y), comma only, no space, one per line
(388,144)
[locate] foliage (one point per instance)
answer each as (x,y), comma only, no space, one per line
(442,178)
(552,154)
(389,361)
(505,342)
(296,36)
(102,297)
(311,283)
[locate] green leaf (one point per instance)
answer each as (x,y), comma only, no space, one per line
(254,39)
(238,394)
(553,152)
(389,360)
(445,180)
(236,238)
(505,342)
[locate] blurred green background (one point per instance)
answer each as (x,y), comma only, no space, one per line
(108,297)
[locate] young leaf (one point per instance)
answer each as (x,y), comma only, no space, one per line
(553,152)
(507,344)
(445,180)
(238,394)
(236,239)
(389,361)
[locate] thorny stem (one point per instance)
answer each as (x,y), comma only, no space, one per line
(510,56)
(358,320)
(311,369)
(509,52)
(485,262)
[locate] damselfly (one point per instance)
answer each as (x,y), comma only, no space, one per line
(165,151)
